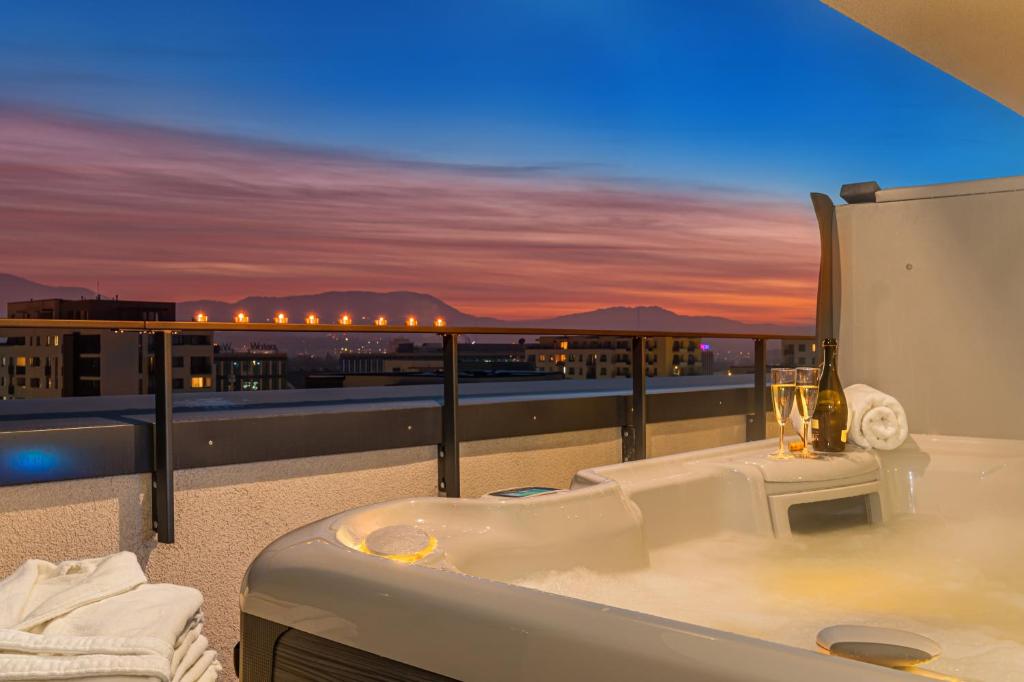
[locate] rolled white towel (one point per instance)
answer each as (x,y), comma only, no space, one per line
(877,420)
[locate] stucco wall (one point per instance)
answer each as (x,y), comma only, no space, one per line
(226,515)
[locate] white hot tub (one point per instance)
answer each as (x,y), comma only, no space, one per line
(719,565)
(674,569)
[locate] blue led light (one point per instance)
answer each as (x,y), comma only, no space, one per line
(34,461)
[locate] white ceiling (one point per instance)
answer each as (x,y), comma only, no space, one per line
(981,42)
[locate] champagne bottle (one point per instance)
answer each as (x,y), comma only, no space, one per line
(828,424)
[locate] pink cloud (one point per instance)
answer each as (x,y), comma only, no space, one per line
(161,214)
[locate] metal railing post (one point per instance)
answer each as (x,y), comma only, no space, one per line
(163,457)
(636,441)
(448,482)
(756,427)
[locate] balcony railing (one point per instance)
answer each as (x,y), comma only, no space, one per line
(632,418)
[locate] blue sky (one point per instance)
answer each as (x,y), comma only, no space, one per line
(773,96)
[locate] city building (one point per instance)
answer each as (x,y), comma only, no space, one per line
(594,357)
(801,353)
(707,359)
(409,364)
(46,363)
(257,367)
(408,357)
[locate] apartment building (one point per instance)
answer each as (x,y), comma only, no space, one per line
(406,356)
(801,353)
(594,357)
(46,363)
(257,367)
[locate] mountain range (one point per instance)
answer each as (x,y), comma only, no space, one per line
(13,288)
(365,306)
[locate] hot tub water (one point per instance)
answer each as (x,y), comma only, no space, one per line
(951,580)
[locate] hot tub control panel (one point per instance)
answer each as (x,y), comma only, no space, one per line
(528,491)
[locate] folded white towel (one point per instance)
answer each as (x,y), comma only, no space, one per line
(877,420)
(874,419)
(99,620)
(184,645)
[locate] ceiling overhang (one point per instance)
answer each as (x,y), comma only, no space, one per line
(980,42)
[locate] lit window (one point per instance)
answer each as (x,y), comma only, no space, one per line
(564,345)
(200,382)
(22,361)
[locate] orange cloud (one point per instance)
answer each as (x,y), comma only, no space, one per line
(154,213)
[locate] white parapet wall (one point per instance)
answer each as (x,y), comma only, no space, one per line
(932,292)
(225,515)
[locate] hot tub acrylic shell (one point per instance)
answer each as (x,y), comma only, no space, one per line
(473,625)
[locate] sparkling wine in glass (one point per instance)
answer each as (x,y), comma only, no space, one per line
(783,394)
(806,399)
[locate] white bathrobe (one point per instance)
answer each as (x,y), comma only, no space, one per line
(98,619)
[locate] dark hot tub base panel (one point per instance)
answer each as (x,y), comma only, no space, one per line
(270,652)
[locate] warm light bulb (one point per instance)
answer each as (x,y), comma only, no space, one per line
(439,322)
(411,321)
(241,317)
(280,318)
(381,321)
(200,316)
(345,319)
(312,318)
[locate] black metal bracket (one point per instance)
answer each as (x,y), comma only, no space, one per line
(448,477)
(634,433)
(756,427)
(163,454)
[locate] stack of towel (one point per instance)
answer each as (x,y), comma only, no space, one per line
(99,619)
(875,420)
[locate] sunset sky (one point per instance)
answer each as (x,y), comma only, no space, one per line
(516,159)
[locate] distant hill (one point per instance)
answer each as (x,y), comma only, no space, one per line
(365,306)
(657,318)
(13,288)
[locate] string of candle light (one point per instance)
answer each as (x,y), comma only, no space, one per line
(281,317)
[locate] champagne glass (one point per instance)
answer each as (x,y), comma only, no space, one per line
(806,399)
(783,394)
